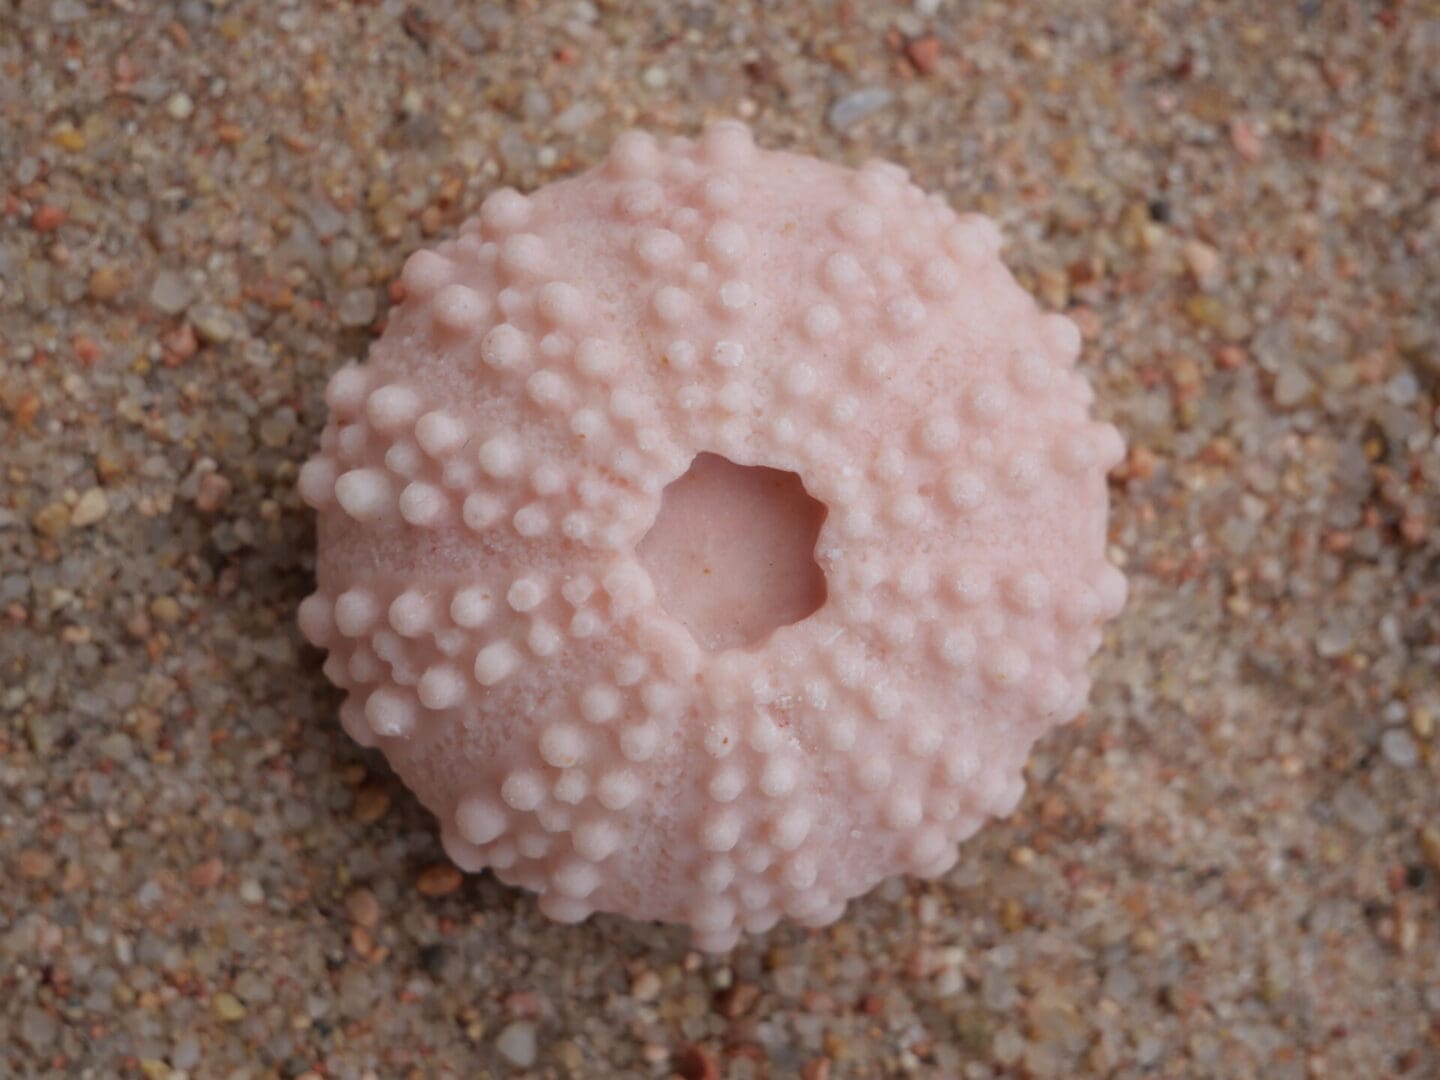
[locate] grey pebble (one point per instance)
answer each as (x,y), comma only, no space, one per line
(849,110)
(171,293)
(516,1043)
(1399,748)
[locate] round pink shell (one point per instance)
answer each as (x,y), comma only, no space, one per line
(486,476)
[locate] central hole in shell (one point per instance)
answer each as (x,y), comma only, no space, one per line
(732,552)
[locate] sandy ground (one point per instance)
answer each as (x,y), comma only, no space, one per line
(1230,869)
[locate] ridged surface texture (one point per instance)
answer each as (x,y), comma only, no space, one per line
(488,475)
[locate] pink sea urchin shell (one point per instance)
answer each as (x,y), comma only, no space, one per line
(711,535)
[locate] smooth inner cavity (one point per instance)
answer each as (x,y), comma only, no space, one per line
(732,552)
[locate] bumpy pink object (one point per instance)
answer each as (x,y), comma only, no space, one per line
(711,535)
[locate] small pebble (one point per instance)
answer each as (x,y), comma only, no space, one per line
(170,292)
(91,508)
(363,908)
(441,879)
(516,1043)
(849,110)
(52,520)
(1399,748)
(227,1007)
(357,308)
(180,107)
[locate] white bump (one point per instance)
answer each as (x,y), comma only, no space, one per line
(843,273)
(403,459)
(618,789)
(412,613)
(971,585)
(544,639)
(391,408)
(481,510)
(441,687)
(425,272)
(727,784)
(1063,336)
(877,361)
(727,143)
(779,777)
(548,388)
(351,440)
(523,255)
(459,310)
(597,840)
(561,303)
(423,505)
(563,746)
(940,278)
(907,509)
(588,423)
(500,456)
(681,355)
(634,153)
(531,521)
(858,222)
(656,247)
(972,238)
(966,490)
(316,619)
(801,872)
(356,612)
(479,820)
(903,810)
(522,790)
(526,594)
(1032,372)
(726,243)
(905,313)
(728,354)
(439,434)
(958,647)
(734,296)
(720,833)
(346,390)
(1076,452)
(1112,590)
(639,742)
(390,713)
(671,304)
(571,787)
(365,494)
(505,347)
(316,482)
(988,402)
(790,829)
(940,433)
(600,704)
(640,200)
(496,661)
(1024,472)
(576,879)
(821,321)
(1030,591)
(721,192)
(1008,666)
(716,875)
(504,210)
(577,590)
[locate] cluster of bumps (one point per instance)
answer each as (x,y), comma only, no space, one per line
(487,474)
